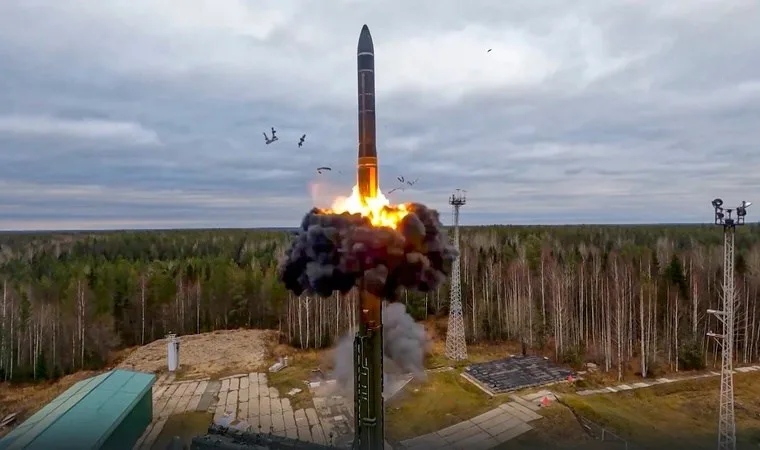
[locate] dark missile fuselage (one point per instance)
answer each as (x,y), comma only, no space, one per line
(367,175)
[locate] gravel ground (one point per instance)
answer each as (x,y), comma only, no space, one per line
(208,354)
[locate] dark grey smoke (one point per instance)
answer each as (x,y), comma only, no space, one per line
(332,252)
(404,345)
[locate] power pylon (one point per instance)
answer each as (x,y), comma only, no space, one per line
(726,422)
(456,346)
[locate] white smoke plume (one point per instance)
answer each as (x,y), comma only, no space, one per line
(404,345)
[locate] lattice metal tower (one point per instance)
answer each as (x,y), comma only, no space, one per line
(456,346)
(726,423)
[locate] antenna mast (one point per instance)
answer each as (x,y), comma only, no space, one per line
(456,346)
(726,422)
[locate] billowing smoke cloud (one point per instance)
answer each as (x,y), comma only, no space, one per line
(332,252)
(404,345)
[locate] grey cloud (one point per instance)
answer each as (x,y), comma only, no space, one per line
(650,112)
(126,132)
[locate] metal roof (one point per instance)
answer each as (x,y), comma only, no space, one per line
(84,416)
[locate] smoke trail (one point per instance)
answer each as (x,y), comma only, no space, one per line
(404,345)
(332,252)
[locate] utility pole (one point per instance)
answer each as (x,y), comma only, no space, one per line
(726,422)
(456,346)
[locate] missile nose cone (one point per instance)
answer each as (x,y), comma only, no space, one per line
(365,41)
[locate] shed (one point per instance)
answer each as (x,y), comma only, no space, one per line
(109,411)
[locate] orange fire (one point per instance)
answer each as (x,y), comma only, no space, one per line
(378,209)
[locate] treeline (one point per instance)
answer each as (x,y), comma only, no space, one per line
(626,297)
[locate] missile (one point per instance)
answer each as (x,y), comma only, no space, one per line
(366,177)
(369,426)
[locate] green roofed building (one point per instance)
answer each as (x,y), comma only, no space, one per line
(109,411)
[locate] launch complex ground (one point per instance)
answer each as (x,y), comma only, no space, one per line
(675,408)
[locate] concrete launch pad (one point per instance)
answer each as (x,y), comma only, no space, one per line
(517,372)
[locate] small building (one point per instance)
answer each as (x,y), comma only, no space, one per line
(109,411)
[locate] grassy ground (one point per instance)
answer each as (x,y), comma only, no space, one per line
(444,399)
(678,415)
(186,426)
(559,429)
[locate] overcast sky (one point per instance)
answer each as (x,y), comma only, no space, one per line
(150,113)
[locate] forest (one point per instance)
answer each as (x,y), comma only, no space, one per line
(629,298)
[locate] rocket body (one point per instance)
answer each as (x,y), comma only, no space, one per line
(367,165)
(369,409)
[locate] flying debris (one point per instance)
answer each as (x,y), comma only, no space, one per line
(400,179)
(394,190)
(489,50)
(321,169)
(268,140)
(300,141)
(412,183)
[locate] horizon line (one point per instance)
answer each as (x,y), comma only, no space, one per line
(281,228)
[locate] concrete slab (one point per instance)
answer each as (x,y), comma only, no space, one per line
(232,398)
(275,405)
(147,444)
(291,433)
(244,380)
(456,428)
(289,419)
(496,420)
(273,392)
(285,402)
(265,421)
(192,405)
(201,387)
(209,397)
(527,411)
(301,420)
(304,434)
(508,408)
(311,416)
(253,385)
(513,432)
(278,423)
(477,420)
(264,406)
(255,421)
(497,428)
(527,404)
(463,434)
(481,441)
(183,404)
(225,385)
(538,395)
(318,435)
(157,392)
(234,384)
(242,410)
